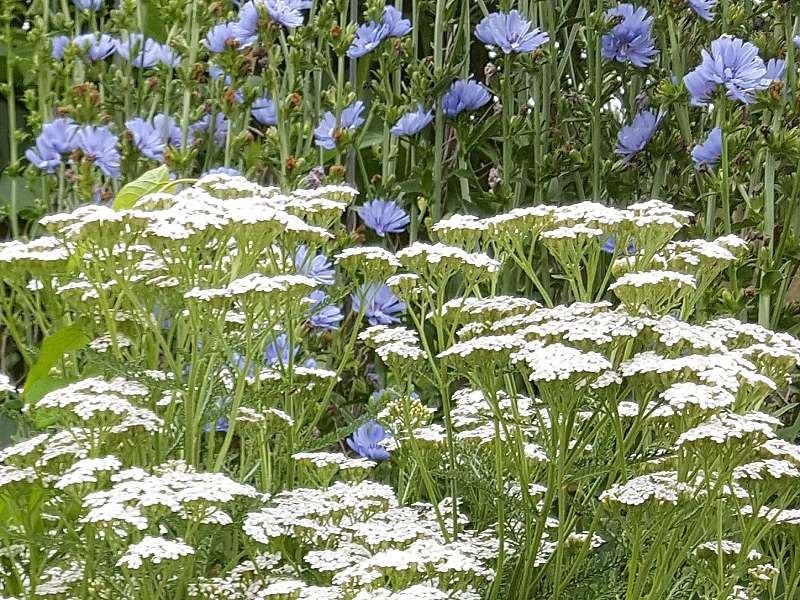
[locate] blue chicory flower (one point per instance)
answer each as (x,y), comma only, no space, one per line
(168,129)
(510,32)
(708,153)
(379,304)
(60,135)
(215,72)
(141,52)
(366,441)
(322,315)
(776,69)
(221,37)
(221,426)
(202,126)
(57,138)
(317,267)
(396,25)
(146,138)
(43,157)
(96,47)
(59,45)
(93,5)
(703,8)
(286,12)
(168,56)
(245,28)
(796,40)
(238,362)
(278,351)
(610,246)
(634,137)
(733,64)
(629,41)
(100,145)
(326,134)
(264,111)
(384,216)
(368,37)
(223,171)
(464,95)
(412,122)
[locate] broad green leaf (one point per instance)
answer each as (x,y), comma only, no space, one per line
(68,339)
(151,181)
(411,186)
(7,430)
(26,199)
(153,20)
(371,137)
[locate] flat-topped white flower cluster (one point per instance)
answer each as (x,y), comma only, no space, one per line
(516,401)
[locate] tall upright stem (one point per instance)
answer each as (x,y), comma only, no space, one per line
(596,65)
(508,148)
(12,125)
(438,148)
(194,35)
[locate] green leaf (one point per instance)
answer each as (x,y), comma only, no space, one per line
(371,137)
(68,339)
(411,186)
(770,280)
(26,199)
(149,182)
(154,24)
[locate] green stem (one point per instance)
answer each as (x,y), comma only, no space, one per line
(596,64)
(508,148)
(438,147)
(194,36)
(12,125)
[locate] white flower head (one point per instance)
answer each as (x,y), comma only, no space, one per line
(153,550)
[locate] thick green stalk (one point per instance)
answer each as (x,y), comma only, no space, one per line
(595,61)
(764,294)
(438,148)
(508,147)
(12,126)
(194,37)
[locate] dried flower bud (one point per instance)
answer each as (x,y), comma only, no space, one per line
(337,172)
(775,90)
(199,72)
